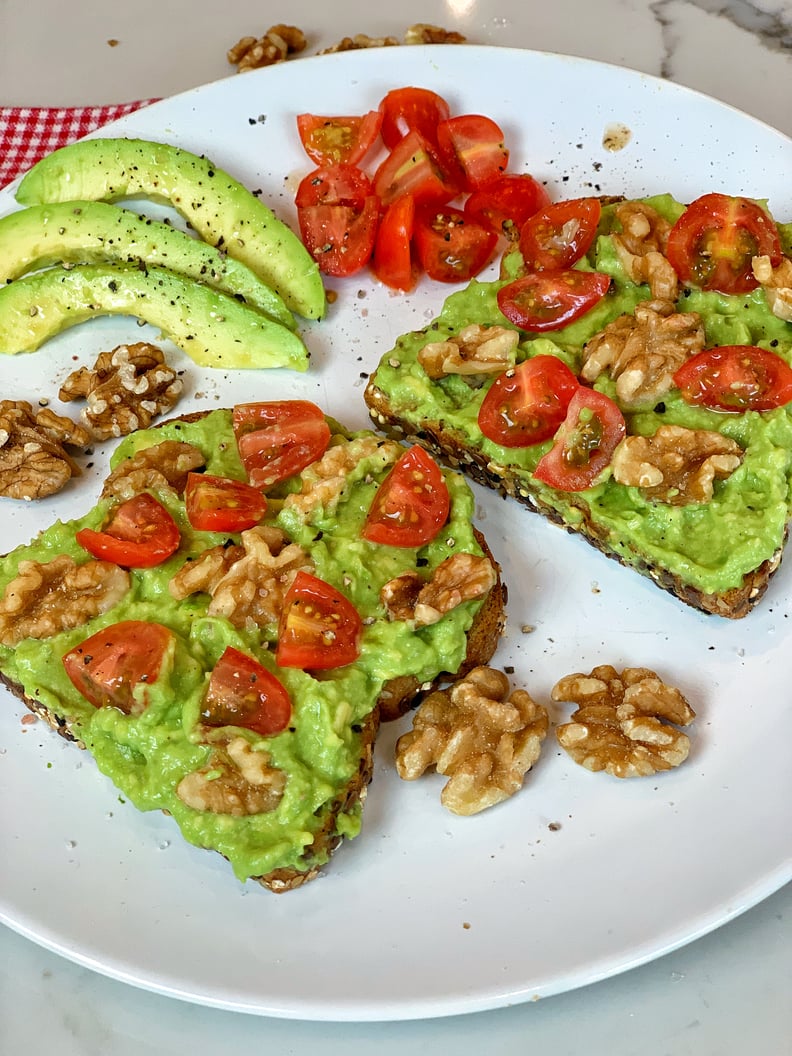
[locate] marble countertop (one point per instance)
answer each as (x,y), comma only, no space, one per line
(724,994)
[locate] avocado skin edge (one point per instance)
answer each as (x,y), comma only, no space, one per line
(218,207)
(213,329)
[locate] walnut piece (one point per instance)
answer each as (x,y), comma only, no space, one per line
(424,33)
(777,285)
(676,465)
(236,780)
(248,582)
(124,390)
(280,41)
(34,461)
(45,599)
(477,734)
(641,246)
(475,349)
(459,578)
(625,723)
(325,481)
(159,467)
(359,41)
(642,352)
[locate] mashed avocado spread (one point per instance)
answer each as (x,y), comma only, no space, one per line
(709,546)
(147,755)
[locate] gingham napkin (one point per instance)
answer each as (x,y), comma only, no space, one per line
(28,133)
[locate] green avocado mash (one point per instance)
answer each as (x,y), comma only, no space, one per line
(710,546)
(147,755)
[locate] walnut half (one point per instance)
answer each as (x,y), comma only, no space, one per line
(276,45)
(476,349)
(459,578)
(625,723)
(34,460)
(237,780)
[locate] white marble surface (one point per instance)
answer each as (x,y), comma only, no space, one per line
(725,994)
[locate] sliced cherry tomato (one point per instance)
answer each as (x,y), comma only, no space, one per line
(140,534)
(476,145)
(392,262)
(506,203)
(411,168)
(242,692)
(585,442)
(549,300)
(560,234)
(411,504)
(334,185)
(337,140)
(340,238)
(278,439)
(319,628)
(526,405)
(108,667)
(736,378)
(412,110)
(714,241)
(451,248)
(219,504)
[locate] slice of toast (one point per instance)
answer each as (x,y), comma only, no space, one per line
(715,553)
(326,753)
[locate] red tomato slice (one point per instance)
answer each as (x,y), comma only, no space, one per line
(392,262)
(451,248)
(334,185)
(549,300)
(108,667)
(278,439)
(411,168)
(337,140)
(340,238)
(714,241)
(219,504)
(526,405)
(585,442)
(319,628)
(476,145)
(506,203)
(140,534)
(242,692)
(411,110)
(560,234)
(736,378)
(411,504)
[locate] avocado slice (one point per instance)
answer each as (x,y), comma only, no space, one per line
(215,330)
(216,205)
(95,233)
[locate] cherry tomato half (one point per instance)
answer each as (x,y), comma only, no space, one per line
(319,628)
(278,439)
(220,504)
(392,262)
(140,534)
(526,405)
(340,238)
(560,234)
(714,241)
(411,504)
(108,667)
(411,110)
(411,168)
(337,140)
(451,248)
(473,144)
(242,692)
(585,442)
(548,300)
(736,378)
(506,203)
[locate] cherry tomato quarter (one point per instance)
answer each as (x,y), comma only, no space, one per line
(412,110)
(412,503)
(319,628)
(526,405)
(242,692)
(411,168)
(278,439)
(339,140)
(140,534)
(506,203)
(334,185)
(475,144)
(736,378)
(449,246)
(585,442)
(340,238)
(220,504)
(108,667)
(560,234)
(549,300)
(392,262)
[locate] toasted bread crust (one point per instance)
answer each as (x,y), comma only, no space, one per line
(732,604)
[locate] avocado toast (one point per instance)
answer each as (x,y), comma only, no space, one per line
(273,781)
(635,363)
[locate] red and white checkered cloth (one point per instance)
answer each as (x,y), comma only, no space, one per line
(28,133)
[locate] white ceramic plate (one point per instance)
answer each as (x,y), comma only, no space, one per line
(579,876)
